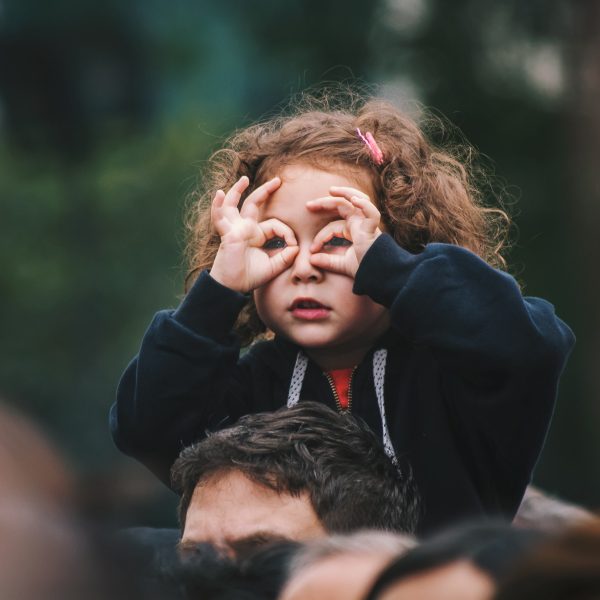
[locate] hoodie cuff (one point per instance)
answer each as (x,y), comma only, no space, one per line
(384,270)
(209,308)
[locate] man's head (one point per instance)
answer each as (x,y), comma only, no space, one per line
(295,473)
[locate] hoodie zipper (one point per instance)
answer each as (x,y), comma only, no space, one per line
(336,396)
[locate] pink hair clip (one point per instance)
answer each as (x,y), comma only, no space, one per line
(374,149)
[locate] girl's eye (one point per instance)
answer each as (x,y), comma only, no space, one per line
(337,242)
(275,243)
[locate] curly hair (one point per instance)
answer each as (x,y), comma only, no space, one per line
(426,191)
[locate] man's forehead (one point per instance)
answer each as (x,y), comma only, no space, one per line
(232,507)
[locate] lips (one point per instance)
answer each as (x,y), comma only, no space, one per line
(309,309)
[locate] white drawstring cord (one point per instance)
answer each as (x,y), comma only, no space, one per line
(379,365)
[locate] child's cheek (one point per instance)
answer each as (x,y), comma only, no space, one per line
(263,302)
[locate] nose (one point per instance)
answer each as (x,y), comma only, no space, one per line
(302,269)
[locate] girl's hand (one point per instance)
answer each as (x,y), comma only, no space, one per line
(341,245)
(243,263)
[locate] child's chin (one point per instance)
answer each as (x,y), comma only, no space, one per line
(314,341)
(311,336)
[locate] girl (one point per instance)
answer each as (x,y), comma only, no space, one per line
(364,258)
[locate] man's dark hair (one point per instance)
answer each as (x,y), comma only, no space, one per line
(309,448)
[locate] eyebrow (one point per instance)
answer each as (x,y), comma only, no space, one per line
(256,540)
(241,545)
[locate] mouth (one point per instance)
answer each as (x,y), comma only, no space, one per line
(309,309)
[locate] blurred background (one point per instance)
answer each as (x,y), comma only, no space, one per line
(107,111)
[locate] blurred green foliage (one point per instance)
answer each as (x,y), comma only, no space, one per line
(88,253)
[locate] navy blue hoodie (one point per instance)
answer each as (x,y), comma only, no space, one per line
(465,396)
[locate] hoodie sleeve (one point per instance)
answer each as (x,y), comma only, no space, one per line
(186,379)
(501,354)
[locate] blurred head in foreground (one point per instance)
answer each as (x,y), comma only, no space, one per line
(30,466)
(463,563)
(540,510)
(563,567)
(342,567)
(46,551)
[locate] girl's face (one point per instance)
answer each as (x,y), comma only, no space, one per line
(312,307)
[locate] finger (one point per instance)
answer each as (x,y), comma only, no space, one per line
(359,200)
(367,207)
(258,197)
(276,228)
(329,203)
(372,217)
(335,228)
(215,209)
(232,197)
(347,192)
(217,203)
